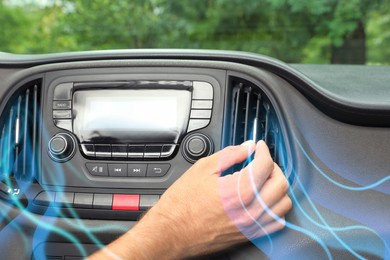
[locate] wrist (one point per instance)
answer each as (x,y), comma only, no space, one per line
(155,237)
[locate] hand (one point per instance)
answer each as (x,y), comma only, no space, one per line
(203,212)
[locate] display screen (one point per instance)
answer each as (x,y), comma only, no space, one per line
(130,116)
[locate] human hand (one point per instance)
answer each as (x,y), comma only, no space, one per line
(203,212)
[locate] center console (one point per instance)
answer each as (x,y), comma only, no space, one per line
(116,138)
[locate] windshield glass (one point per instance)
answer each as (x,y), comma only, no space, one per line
(294,31)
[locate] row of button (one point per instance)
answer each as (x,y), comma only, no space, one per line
(132,202)
(128,151)
(128,170)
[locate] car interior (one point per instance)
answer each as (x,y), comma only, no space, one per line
(89,141)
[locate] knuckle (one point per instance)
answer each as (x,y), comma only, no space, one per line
(231,149)
(284,185)
(289,204)
(246,196)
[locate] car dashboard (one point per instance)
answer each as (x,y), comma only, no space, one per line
(89,142)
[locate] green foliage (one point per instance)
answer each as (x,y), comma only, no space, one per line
(291,30)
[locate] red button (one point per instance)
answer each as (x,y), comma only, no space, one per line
(125,202)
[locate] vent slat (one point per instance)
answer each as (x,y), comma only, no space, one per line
(24,141)
(10,143)
(2,154)
(247,113)
(237,114)
(34,133)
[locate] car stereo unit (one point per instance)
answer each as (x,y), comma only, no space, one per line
(128,119)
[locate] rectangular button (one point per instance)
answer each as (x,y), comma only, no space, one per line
(102,201)
(88,149)
(195,124)
(206,114)
(167,150)
(44,198)
(65,114)
(103,150)
(63,91)
(117,169)
(148,201)
(202,90)
(64,199)
(64,124)
(135,151)
(97,169)
(126,202)
(136,170)
(157,170)
(118,151)
(152,151)
(62,104)
(83,200)
(202,104)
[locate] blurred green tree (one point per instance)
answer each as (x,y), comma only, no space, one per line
(300,31)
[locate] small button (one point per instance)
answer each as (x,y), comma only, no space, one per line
(44,198)
(206,114)
(57,145)
(152,151)
(103,150)
(125,202)
(64,124)
(102,201)
(117,170)
(64,199)
(83,200)
(62,104)
(157,170)
(202,90)
(88,149)
(195,124)
(196,146)
(136,170)
(167,150)
(97,169)
(202,104)
(63,91)
(135,151)
(148,201)
(118,151)
(64,114)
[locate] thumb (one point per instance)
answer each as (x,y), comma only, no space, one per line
(229,156)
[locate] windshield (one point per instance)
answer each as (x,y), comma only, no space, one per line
(294,31)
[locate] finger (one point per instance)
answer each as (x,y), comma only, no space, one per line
(278,210)
(268,214)
(262,149)
(274,188)
(258,171)
(229,156)
(256,231)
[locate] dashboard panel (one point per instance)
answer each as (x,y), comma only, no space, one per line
(79,168)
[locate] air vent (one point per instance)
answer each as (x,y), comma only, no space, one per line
(251,116)
(19,123)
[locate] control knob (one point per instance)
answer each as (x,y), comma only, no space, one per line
(196,146)
(61,147)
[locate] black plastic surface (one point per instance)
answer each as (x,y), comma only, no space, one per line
(337,166)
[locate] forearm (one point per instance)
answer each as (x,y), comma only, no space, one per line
(153,237)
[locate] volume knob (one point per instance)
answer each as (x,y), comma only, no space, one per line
(61,147)
(196,146)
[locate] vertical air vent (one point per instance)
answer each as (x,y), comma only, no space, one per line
(251,116)
(19,124)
